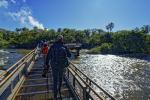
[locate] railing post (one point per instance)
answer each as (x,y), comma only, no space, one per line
(84,94)
(74,81)
(11,85)
(25,69)
(33,58)
(68,73)
(19,75)
(87,88)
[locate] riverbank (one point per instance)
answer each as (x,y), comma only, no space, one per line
(23,51)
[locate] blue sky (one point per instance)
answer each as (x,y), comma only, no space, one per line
(79,14)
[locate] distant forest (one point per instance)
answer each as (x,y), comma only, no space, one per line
(97,40)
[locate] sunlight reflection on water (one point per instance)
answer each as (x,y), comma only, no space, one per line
(125,78)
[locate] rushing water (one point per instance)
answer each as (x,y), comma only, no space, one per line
(7,59)
(125,78)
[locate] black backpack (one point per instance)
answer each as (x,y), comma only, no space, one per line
(60,56)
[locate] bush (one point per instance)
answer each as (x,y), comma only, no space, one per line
(104,48)
(3,44)
(129,42)
(95,50)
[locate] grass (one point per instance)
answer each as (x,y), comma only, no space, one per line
(104,49)
(95,50)
(23,51)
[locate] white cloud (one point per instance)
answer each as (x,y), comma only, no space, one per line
(21,15)
(13,1)
(3,3)
(24,16)
(34,22)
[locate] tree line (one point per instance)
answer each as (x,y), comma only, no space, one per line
(97,40)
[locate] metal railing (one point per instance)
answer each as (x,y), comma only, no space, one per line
(12,77)
(83,87)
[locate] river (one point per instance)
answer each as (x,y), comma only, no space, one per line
(123,77)
(8,58)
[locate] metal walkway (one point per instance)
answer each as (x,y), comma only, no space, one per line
(35,87)
(24,81)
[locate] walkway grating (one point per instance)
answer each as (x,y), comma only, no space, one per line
(35,87)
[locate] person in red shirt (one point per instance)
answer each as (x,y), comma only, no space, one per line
(45,51)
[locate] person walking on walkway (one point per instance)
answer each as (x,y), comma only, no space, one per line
(58,56)
(45,51)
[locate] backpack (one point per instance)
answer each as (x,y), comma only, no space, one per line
(45,50)
(59,56)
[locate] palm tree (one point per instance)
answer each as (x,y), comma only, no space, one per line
(110,26)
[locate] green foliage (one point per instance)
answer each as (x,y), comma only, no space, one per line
(1,35)
(95,50)
(147,40)
(110,26)
(25,38)
(95,40)
(125,41)
(4,43)
(104,48)
(129,42)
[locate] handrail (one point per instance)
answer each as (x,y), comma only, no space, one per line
(78,76)
(15,66)
(13,77)
(22,59)
(5,79)
(87,84)
(77,71)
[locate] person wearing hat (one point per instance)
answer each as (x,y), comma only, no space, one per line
(57,56)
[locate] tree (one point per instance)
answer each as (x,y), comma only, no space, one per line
(87,32)
(95,40)
(1,35)
(18,30)
(129,42)
(79,37)
(110,26)
(136,29)
(145,29)
(59,30)
(24,29)
(100,31)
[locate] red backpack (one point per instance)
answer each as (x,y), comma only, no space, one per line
(45,50)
